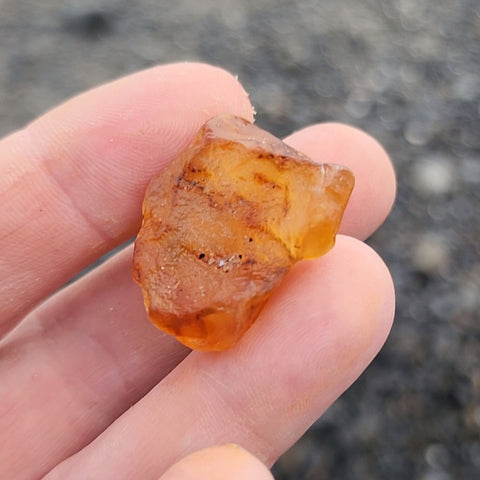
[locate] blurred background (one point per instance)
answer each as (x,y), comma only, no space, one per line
(407,72)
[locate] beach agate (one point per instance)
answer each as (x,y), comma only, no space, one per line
(224,222)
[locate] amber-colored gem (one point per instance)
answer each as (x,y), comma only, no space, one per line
(224,222)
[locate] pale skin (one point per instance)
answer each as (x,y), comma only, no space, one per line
(88,387)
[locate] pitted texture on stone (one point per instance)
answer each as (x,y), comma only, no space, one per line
(222,225)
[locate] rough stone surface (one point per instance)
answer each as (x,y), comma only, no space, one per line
(223,224)
(407,72)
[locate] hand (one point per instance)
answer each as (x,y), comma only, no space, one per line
(89,388)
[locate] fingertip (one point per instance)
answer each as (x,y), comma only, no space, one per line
(367,311)
(217,463)
(343,305)
(230,91)
(376,182)
(220,90)
(375,288)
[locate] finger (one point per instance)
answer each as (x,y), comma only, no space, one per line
(76,364)
(102,316)
(71,184)
(374,191)
(218,463)
(319,331)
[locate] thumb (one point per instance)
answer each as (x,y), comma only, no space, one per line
(217,463)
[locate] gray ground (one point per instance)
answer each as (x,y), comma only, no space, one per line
(406,71)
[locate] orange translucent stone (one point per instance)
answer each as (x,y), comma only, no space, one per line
(224,222)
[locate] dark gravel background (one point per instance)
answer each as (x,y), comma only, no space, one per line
(406,71)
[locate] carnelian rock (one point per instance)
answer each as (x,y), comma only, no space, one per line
(224,222)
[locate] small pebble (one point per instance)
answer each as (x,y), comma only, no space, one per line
(92,24)
(436,475)
(430,254)
(433,175)
(476,417)
(437,456)
(358,107)
(470,170)
(417,133)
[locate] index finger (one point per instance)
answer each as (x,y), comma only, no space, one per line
(71,183)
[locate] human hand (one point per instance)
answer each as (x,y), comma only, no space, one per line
(89,388)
